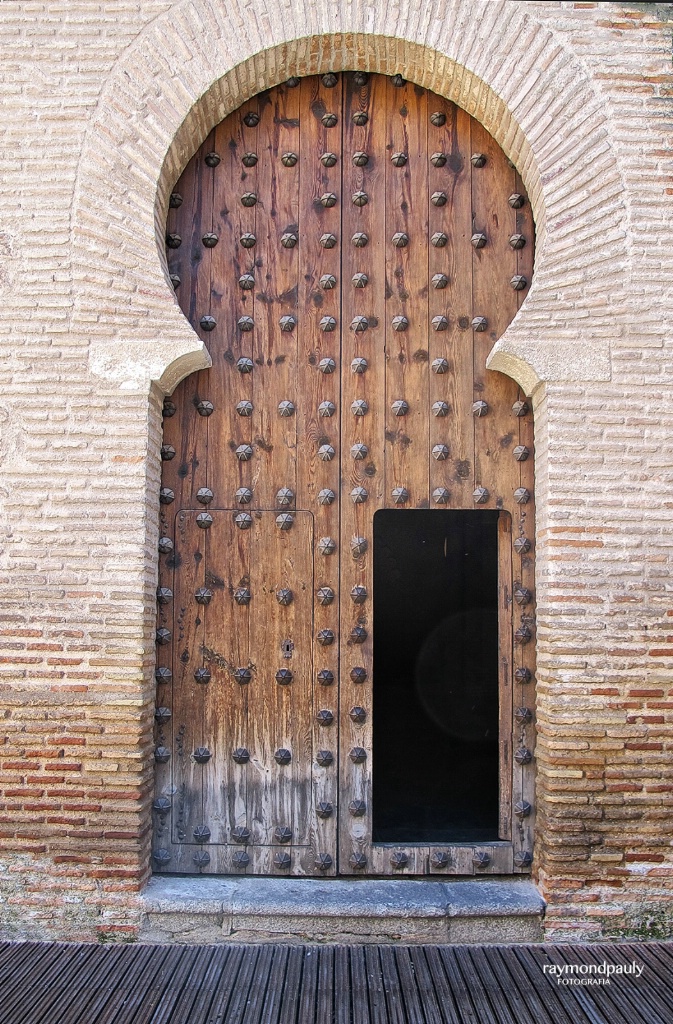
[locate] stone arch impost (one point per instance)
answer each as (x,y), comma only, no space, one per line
(201,59)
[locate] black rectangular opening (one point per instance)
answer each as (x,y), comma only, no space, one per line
(435,676)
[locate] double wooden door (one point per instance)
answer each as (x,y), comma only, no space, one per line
(349,247)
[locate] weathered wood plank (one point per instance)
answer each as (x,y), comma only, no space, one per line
(487,1001)
(292,986)
(141,986)
(327,992)
(450,295)
(273,996)
(359,986)
(231,424)
(456,992)
(494,302)
(318,427)
(277,269)
(542,1009)
(407,326)
(278,786)
(226,649)
(185,435)
(555,1000)
(227,983)
(625,994)
(120,973)
(309,986)
(254,1006)
(46,988)
(342,986)
(375,986)
(189,696)
(164,989)
(363,479)
(276,984)
(205,983)
(279,793)
(184,430)
(413,968)
(395,997)
(247,981)
(507,1000)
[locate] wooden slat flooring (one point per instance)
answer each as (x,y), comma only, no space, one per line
(273,984)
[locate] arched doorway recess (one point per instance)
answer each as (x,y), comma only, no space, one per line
(349,247)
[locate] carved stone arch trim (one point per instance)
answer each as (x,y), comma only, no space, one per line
(197,61)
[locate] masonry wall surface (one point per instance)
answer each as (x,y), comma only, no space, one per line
(103,104)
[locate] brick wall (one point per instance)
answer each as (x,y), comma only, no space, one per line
(102,105)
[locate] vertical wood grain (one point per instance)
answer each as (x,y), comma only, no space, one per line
(230,262)
(367,473)
(189,696)
(407,357)
(318,480)
(453,426)
(226,648)
(277,270)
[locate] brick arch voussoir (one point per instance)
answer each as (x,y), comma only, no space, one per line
(197,62)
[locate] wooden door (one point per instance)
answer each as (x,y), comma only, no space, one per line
(349,247)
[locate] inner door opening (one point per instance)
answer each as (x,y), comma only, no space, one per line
(436,692)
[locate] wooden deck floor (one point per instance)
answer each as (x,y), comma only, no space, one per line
(61,983)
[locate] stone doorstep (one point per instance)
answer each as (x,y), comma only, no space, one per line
(222,909)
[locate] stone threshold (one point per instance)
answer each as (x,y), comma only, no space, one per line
(296,910)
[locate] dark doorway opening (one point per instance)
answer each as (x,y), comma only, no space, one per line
(435,676)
